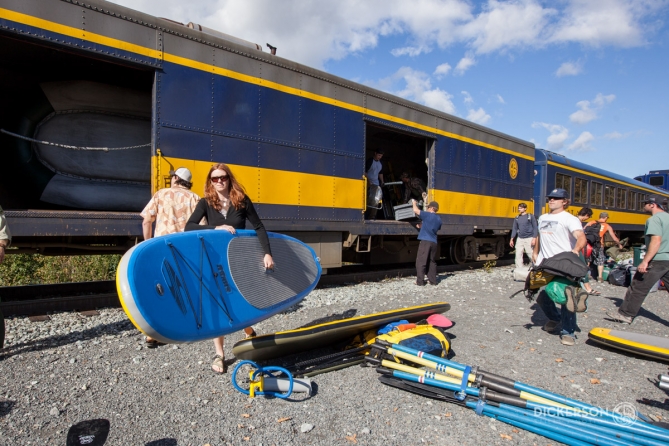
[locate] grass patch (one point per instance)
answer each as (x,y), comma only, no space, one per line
(36,269)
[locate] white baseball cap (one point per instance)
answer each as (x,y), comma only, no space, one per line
(182,173)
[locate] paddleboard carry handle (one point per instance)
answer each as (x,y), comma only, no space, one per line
(257,379)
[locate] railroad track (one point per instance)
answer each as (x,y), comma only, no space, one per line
(37,300)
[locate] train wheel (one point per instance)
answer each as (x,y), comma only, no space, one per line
(456,251)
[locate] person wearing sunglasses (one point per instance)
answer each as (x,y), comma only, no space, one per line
(227,207)
(559,231)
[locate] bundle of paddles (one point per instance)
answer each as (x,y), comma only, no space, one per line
(536,410)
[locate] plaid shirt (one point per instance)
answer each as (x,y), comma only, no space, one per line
(170,208)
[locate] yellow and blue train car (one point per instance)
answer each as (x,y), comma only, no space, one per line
(600,190)
(158,95)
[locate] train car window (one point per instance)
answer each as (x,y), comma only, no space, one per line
(596,194)
(631,203)
(622,198)
(609,196)
(656,181)
(580,190)
(642,198)
(563,181)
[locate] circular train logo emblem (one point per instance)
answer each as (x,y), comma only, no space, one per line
(513,168)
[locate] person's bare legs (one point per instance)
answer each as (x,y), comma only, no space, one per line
(218,345)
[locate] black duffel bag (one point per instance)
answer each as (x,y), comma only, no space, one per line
(620,276)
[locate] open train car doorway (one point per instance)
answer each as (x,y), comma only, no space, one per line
(405,153)
(73,99)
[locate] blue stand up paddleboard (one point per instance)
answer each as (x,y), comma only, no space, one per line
(198,285)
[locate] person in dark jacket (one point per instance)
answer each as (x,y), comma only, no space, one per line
(412,188)
(525,227)
(227,208)
(374,173)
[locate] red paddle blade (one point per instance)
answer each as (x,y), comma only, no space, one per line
(439,320)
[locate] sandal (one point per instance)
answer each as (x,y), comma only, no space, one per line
(252,334)
(594,293)
(219,363)
(152,343)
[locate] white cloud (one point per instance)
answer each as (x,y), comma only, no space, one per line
(586,113)
(442,70)
(418,88)
(618,135)
(335,30)
(582,143)
(465,64)
(601,100)
(478,116)
(439,100)
(558,134)
(411,51)
(569,69)
(500,99)
(467,97)
(618,23)
(506,25)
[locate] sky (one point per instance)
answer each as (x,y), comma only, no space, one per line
(588,79)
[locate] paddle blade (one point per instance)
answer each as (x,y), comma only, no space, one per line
(439,320)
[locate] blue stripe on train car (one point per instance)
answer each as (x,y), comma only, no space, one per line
(317,124)
(280,115)
(235,107)
(465,167)
(185,97)
(259,127)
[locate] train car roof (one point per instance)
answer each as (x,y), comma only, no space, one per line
(181,30)
(542,155)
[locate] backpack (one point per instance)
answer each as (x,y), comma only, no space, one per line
(592,234)
(565,264)
(620,276)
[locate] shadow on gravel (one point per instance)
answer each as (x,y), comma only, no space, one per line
(70,338)
(6,407)
(653,403)
(292,309)
(334,317)
(539,319)
(642,312)
(162,442)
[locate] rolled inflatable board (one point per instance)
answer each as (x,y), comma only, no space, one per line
(198,285)
(321,335)
(641,344)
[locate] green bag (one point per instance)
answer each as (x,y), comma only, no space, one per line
(556,287)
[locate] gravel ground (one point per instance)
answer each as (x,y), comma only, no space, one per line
(56,373)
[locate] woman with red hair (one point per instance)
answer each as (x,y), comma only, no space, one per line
(227,208)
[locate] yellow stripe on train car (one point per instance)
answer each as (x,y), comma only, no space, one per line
(282,187)
(615,217)
(172,58)
(460,203)
(272,186)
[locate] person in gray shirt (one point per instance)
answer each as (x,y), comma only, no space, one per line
(525,227)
